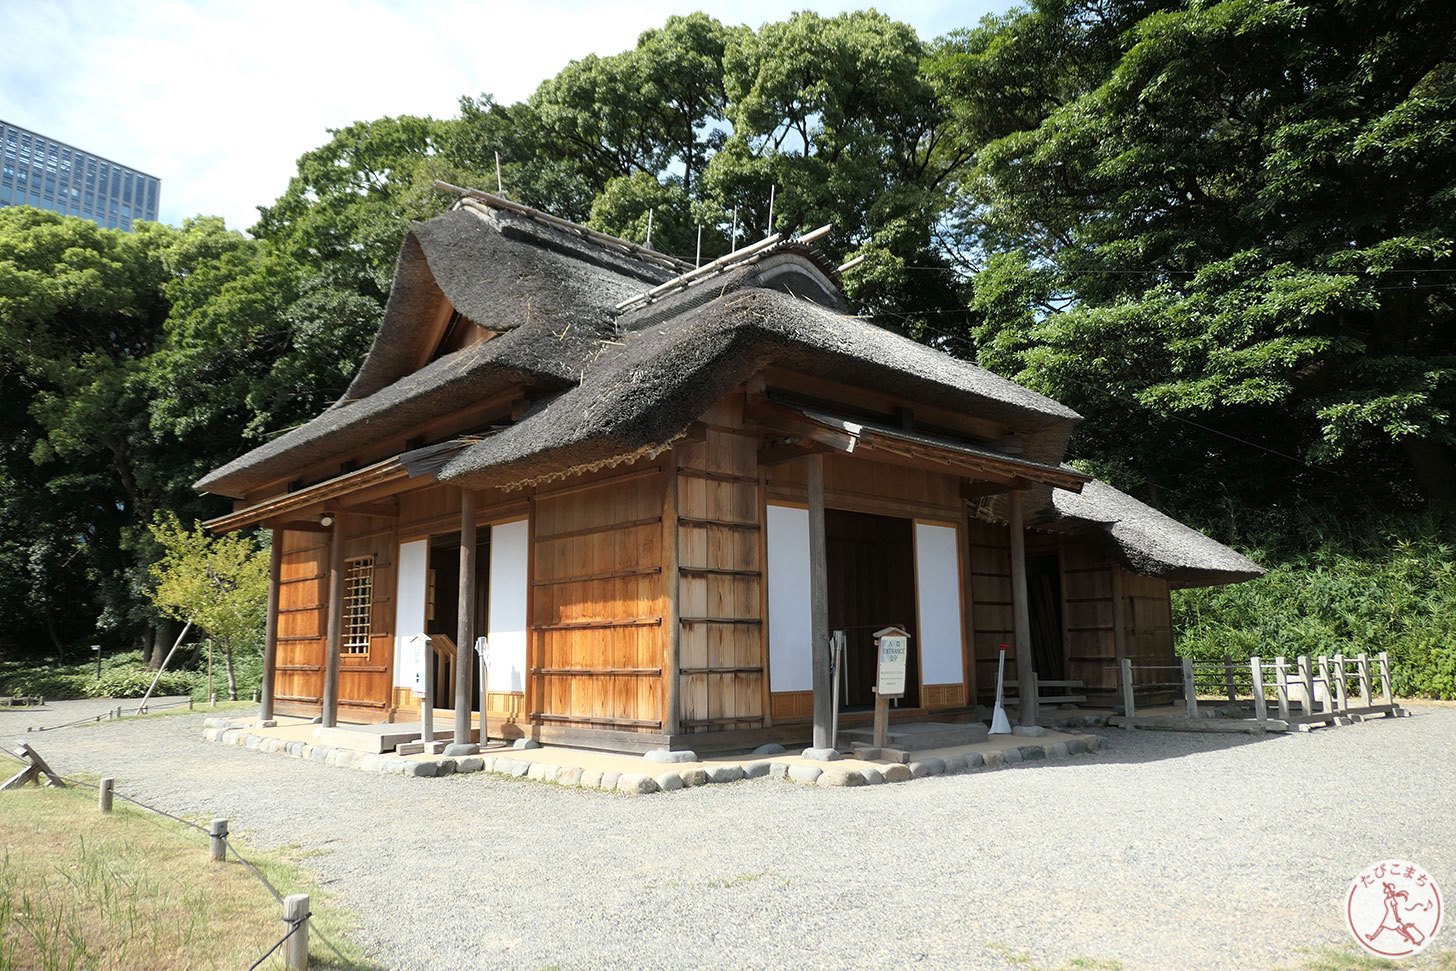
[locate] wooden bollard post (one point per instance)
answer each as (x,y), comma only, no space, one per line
(1281,686)
(295,949)
(104,794)
(1190,690)
(1129,704)
(1256,674)
(1342,698)
(1228,678)
(218,832)
(1385,687)
(1327,703)
(1362,670)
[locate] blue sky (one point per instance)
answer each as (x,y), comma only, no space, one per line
(219,99)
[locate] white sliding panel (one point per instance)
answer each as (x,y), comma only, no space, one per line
(938,593)
(789,658)
(409,609)
(506,662)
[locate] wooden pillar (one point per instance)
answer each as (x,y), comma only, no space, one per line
(1306,681)
(1119,615)
(1362,671)
(333,641)
(1342,701)
(270,632)
(671,625)
(819,604)
(465,620)
(1129,699)
(1281,685)
(1021,610)
(1387,695)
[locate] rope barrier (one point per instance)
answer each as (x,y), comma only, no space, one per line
(294,925)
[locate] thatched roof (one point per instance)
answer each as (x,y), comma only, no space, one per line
(608,387)
(1150,542)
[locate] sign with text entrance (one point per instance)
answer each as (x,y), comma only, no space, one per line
(892,654)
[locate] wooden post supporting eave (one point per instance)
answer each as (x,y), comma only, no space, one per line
(465,619)
(819,604)
(270,634)
(333,642)
(672,626)
(1021,610)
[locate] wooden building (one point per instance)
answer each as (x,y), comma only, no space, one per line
(656,490)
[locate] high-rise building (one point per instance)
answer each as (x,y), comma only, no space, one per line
(39,171)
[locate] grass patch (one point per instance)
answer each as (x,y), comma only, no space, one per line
(1020,959)
(136,891)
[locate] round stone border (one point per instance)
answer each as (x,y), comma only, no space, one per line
(651,779)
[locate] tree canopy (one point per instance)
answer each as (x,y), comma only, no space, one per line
(1223,231)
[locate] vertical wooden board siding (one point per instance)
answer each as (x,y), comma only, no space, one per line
(938,600)
(1149,619)
(302,592)
(506,617)
(365,680)
(409,616)
(790,663)
(596,605)
(992,617)
(862,485)
(1091,646)
(720,578)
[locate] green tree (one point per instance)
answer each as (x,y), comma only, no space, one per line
(219,584)
(1243,223)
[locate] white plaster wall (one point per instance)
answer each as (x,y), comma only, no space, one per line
(937,584)
(506,660)
(409,609)
(789,639)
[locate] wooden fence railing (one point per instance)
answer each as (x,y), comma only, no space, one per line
(1309,690)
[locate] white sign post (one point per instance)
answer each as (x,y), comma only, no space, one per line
(423,686)
(892,652)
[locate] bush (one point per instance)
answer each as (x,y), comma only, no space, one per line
(1378,585)
(133,683)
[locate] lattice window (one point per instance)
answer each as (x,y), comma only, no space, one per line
(358,604)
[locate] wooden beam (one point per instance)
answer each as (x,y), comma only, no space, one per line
(465,618)
(1021,609)
(270,630)
(672,630)
(296,526)
(791,422)
(819,604)
(787,450)
(388,509)
(981,488)
(333,641)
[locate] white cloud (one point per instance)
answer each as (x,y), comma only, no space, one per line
(218,99)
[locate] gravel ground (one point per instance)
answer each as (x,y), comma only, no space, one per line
(1164,851)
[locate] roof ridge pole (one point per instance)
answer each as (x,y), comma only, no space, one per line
(499,186)
(733,236)
(771,190)
(1021,611)
(698,257)
(649,229)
